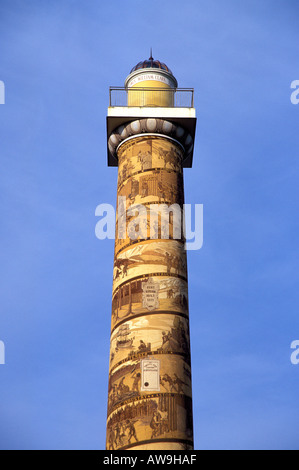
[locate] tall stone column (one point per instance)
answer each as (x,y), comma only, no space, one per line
(150,396)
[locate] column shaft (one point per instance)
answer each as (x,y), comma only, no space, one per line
(149,397)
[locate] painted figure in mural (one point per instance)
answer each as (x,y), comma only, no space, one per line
(142,346)
(122,388)
(155,423)
(111,439)
(166,379)
(135,386)
(165,341)
(132,431)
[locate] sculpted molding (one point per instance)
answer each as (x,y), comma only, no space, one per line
(160,127)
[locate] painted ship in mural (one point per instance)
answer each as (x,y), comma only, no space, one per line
(124,340)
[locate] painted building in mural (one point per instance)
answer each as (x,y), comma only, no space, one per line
(150,139)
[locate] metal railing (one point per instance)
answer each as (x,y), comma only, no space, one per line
(151,97)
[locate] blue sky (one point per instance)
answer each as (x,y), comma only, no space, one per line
(57,60)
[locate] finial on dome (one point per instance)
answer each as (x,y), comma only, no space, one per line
(151,57)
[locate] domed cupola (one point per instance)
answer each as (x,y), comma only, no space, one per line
(151,70)
(151,64)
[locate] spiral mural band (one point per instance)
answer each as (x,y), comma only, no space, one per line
(149,294)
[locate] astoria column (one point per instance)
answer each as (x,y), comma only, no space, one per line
(150,138)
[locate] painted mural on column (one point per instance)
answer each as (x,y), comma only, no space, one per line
(149,396)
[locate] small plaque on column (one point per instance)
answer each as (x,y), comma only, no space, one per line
(150,295)
(150,375)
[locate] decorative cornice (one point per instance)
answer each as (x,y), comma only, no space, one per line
(152,126)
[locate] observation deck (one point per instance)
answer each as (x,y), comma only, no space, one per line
(129,104)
